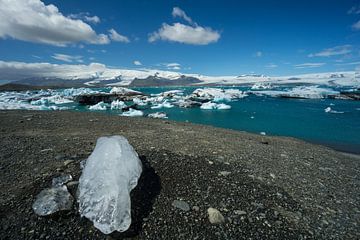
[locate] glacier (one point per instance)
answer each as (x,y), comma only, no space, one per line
(111,172)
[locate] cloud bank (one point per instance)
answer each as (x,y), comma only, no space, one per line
(335,51)
(181,33)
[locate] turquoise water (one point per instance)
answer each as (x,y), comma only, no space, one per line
(299,118)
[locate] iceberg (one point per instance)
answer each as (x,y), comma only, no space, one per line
(330,110)
(157,115)
(133,113)
(212,106)
(117,105)
(165,104)
(100,106)
(217,94)
(124,91)
(110,173)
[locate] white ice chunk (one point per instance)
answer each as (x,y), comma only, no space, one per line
(213,106)
(139,102)
(117,104)
(133,113)
(110,173)
(125,91)
(100,106)
(165,104)
(51,200)
(157,115)
(218,94)
(330,110)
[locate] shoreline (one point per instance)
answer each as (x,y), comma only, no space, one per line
(288,188)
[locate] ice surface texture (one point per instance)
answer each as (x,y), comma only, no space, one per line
(110,173)
(51,200)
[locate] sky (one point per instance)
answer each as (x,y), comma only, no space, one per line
(226,37)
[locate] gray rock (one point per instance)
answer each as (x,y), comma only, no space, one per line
(67,162)
(239,212)
(181,205)
(215,217)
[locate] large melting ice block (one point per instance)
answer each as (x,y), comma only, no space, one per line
(110,173)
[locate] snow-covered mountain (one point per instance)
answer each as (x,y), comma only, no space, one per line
(95,74)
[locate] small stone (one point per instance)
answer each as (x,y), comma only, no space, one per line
(272,175)
(239,212)
(211,162)
(67,162)
(215,217)
(59,157)
(224,173)
(195,208)
(181,205)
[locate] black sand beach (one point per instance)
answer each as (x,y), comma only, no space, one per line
(265,187)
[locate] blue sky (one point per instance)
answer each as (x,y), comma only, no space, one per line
(232,37)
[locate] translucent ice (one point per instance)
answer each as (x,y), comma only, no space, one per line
(51,200)
(110,173)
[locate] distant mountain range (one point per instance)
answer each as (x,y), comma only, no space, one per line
(96,75)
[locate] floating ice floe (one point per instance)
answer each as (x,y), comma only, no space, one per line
(117,105)
(309,92)
(56,99)
(124,91)
(157,115)
(139,102)
(217,94)
(171,93)
(132,113)
(212,106)
(71,92)
(164,104)
(110,173)
(260,86)
(100,106)
(329,110)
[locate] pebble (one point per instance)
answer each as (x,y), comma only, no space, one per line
(239,212)
(67,162)
(195,208)
(224,173)
(215,217)
(181,205)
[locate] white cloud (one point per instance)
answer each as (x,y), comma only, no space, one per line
(173,66)
(137,63)
(86,17)
(178,12)
(354,10)
(338,50)
(271,65)
(185,34)
(258,54)
(20,70)
(67,58)
(117,37)
(178,32)
(356,26)
(33,21)
(309,65)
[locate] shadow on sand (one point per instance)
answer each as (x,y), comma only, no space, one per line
(142,199)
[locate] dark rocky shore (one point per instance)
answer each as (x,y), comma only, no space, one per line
(265,187)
